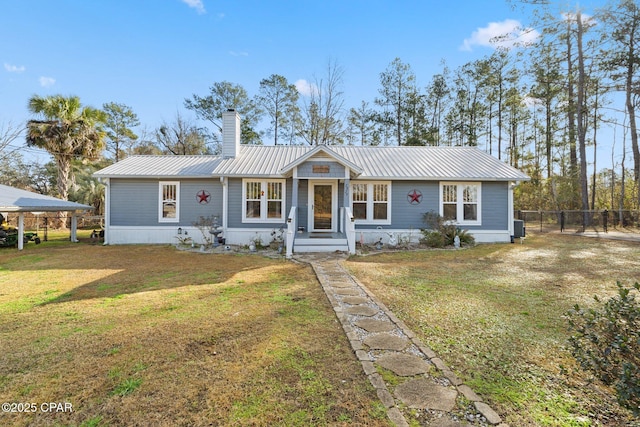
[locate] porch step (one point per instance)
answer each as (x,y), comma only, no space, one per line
(320,245)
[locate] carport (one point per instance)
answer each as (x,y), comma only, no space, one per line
(21,201)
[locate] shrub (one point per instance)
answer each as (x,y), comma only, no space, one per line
(450,233)
(433,239)
(606,342)
(440,233)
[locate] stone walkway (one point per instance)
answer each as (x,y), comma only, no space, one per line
(380,340)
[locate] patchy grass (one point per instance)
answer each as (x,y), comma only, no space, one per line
(494,313)
(147,335)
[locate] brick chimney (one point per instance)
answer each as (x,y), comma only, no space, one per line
(230,133)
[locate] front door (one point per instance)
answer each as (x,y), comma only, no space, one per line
(323,202)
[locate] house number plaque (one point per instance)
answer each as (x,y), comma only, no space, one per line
(320,168)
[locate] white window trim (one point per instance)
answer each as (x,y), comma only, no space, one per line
(263,201)
(460,203)
(370,203)
(160,201)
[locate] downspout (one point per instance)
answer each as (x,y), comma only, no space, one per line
(107,210)
(225,205)
(510,186)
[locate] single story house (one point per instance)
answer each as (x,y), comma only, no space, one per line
(318,198)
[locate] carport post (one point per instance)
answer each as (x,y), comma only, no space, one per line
(74,228)
(21,231)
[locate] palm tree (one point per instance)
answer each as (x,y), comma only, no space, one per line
(68,131)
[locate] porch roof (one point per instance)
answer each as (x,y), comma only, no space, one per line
(319,150)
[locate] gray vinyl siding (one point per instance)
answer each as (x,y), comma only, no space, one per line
(405,215)
(134,202)
(495,198)
(190,209)
(303,202)
(235,206)
(336,170)
(495,206)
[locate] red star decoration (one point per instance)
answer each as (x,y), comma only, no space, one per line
(414,197)
(203,197)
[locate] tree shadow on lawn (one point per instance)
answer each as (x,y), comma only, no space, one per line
(112,271)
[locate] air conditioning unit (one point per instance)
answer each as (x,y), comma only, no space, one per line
(518,228)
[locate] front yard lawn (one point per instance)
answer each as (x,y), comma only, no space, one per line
(494,313)
(147,335)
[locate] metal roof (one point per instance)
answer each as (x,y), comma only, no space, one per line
(161,167)
(261,160)
(16,200)
(321,150)
(429,163)
(400,163)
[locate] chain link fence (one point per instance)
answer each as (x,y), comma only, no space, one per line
(579,220)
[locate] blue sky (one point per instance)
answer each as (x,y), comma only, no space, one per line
(152,54)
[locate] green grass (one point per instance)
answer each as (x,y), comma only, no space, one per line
(494,314)
(127,386)
(141,332)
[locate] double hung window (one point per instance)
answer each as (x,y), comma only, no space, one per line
(169,201)
(461,202)
(263,200)
(371,202)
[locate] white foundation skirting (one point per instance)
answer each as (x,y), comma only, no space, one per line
(123,235)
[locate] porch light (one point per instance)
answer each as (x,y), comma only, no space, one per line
(179,230)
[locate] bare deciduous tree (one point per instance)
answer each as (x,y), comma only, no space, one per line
(323,107)
(9,133)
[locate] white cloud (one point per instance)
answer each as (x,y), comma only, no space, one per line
(530,101)
(235,53)
(46,81)
(505,34)
(14,68)
(587,20)
(196,4)
(305,88)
